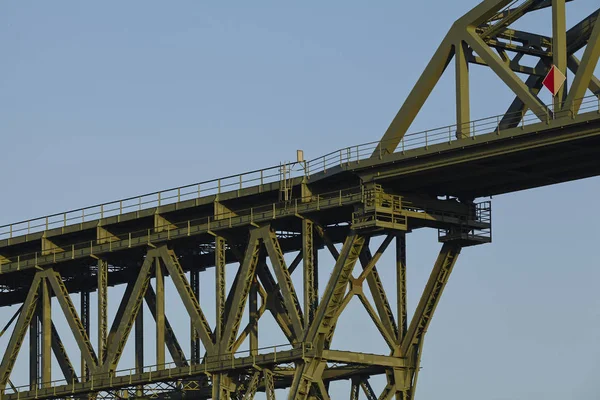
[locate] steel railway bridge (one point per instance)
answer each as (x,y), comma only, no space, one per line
(249,224)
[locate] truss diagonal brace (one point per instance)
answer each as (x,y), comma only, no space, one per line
(61,356)
(187,296)
(16,339)
(431,295)
(122,326)
(417,97)
(171,340)
(573,64)
(327,312)
(240,291)
(290,298)
(509,77)
(81,337)
(585,71)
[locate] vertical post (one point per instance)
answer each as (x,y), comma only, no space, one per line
(559,47)
(462,90)
(139,347)
(220,285)
(46,322)
(195,344)
(160,314)
(34,349)
(85,321)
(401,285)
(102,308)
(253,300)
(309,269)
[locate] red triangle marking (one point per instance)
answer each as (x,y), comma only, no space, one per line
(549,80)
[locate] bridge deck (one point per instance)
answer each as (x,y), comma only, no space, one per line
(488,163)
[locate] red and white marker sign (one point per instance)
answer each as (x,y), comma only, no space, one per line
(554,80)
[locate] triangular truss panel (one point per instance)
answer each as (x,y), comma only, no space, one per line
(484,36)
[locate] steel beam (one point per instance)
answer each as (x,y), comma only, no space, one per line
(187,296)
(401,285)
(327,312)
(77,328)
(310,261)
(46,334)
(573,64)
(254,316)
(240,291)
(139,341)
(269,384)
(290,298)
(160,314)
(195,340)
(509,77)
(84,309)
(415,100)
(102,308)
(34,348)
(559,46)
(123,323)
(172,343)
(62,358)
(585,72)
(463,113)
(16,338)
(370,273)
(220,288)
(431,295)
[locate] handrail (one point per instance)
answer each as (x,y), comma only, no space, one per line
(225,357)
(260,177)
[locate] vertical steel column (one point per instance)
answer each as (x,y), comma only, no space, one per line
(85,321)
(139,347)
(309,260)
(559,46)
(254,316)
(463,113)
(34,346)
(195,339)
(401,285)
(46,337)
(102,308)
(220,285)
(160,314)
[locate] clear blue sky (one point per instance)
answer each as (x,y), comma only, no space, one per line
(107,99)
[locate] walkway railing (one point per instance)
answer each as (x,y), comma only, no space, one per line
(259,178)
(207,364)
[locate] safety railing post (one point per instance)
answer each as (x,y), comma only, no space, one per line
(522,120)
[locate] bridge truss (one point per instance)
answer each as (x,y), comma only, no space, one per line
(251,226)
